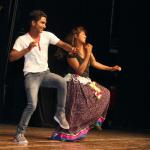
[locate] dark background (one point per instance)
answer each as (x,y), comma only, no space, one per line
(113,29)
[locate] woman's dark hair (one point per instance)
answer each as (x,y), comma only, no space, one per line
(70,39)
(35,16)
(75,31)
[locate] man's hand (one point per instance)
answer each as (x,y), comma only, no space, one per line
(31,45)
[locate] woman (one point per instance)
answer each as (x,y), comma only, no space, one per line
(87,101)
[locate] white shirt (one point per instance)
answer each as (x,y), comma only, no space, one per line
(37,59)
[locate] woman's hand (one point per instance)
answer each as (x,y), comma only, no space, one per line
(88,48)
(116,68)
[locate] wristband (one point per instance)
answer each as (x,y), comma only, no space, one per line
(73,50)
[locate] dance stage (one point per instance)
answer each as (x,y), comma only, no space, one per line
(107,139)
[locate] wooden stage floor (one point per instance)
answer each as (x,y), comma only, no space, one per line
(107,139)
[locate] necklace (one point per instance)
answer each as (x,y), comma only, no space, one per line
(38,41)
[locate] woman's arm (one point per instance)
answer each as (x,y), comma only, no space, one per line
(100,66)
(80,68)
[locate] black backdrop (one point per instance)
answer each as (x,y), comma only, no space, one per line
(112,29)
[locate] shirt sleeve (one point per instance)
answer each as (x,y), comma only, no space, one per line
(53,39)
(18,44)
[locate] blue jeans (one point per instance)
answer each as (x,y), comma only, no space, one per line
(33,81)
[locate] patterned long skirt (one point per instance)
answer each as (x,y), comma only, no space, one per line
(86,106)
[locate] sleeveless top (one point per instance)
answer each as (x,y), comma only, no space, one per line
(80,60)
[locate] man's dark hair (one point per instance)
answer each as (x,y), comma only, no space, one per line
(35,16)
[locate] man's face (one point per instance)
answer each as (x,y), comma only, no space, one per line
(40,25)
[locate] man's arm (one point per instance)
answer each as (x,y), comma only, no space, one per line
(15,55)
(67,47)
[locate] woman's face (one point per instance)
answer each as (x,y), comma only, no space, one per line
(81,37)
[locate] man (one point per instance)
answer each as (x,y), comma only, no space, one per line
(34,47)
